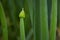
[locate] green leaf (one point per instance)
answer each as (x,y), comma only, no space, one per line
(4,23)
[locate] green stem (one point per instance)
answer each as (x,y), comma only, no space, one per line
(36,20)
(4,23)
(22,32)
(44,20)
(53,20)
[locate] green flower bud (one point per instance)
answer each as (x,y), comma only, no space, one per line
(22,14)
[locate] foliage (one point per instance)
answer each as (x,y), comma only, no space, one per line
(40,22)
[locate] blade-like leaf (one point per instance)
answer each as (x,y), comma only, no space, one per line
(4,23)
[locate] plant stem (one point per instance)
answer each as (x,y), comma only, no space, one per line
(44,20)
(53,20)
(22,31)
(36,20)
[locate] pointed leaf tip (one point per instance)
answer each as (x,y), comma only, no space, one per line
(22,13)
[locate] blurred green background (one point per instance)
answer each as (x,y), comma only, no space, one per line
(12,9)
